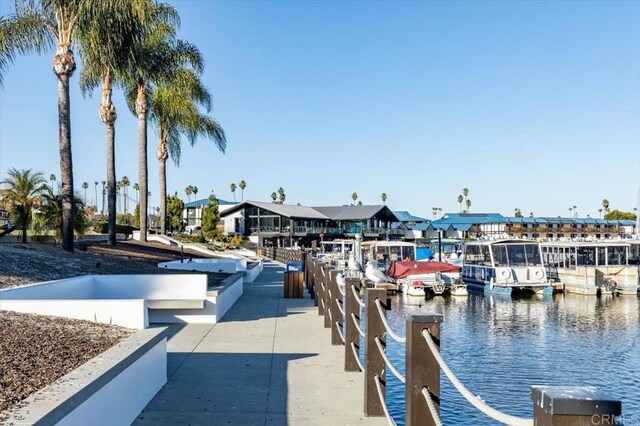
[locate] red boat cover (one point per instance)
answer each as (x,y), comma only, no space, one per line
(404,268)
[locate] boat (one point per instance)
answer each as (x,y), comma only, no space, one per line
(447,250)
(505,266)
(593,268)
(425,278)
(336,249)
(383,253)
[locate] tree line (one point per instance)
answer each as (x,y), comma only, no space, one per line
(127,45)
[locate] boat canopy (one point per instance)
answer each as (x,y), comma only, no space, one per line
(403,269)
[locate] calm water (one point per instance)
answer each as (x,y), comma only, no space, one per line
(499,346)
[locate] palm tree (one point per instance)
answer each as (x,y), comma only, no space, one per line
(85,185)
(37,26)
(195,193)
(575,211)
(175,110)
(570,211)
(125,186)
(118,203)
(274,196)
(465,192)
(281,196)
(136,188)
(354,197)
(104,193)
(605,204)
(107,54)
(383,197)
(21,192)
(95,185)
(52,178)
(242,185)
(460,200)
(188,190)
(233,190)
(600,213)
(468,204)
(518,213)
(152,59)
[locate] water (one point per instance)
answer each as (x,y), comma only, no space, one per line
(499,346)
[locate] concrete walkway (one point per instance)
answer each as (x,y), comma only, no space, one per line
(268,362)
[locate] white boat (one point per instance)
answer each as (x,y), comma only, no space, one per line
(383,253)
(426,278)
(592,267)
(505,266)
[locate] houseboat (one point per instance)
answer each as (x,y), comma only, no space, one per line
(447,250)
(383,253)
(505,266)
(593,267)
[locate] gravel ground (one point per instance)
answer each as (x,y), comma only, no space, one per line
(36,350)
(29,263)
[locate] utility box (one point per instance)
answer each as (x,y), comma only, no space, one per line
(294,281)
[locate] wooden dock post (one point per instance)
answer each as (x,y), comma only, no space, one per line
(422,369)
(319,288)
(574,406)
(334,305)
(351,306)
(373,362)
(326,278)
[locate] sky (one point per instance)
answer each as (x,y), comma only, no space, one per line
(531,105)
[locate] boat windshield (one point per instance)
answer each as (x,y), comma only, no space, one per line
(516,255)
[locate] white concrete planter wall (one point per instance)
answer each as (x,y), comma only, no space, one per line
(111,389)
(216,304)
(253,272)
(111,299)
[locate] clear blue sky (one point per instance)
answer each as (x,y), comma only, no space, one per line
(533,105)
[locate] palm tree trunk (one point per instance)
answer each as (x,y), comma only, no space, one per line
(24,233)
(64,65)
(143,170)
(108,116)
(163,154)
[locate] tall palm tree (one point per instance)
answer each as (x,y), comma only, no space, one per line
(85,186)
(468,204)
(118,203)
(460,200)
(233,190)
(600,213)
(21,191)
(37,26)
(354,197)
(605,204)
(136,187)
(570,211)
(465,192)
(274,196)
(281,195)
(188,190)
(242,185)
(153,58)
(107,54)
(104,193)
(125,182)
(52,178)
(383,197)
(195,193)
(176,111)
(575,211)
(95,185)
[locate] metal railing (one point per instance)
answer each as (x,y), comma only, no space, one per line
(423,362)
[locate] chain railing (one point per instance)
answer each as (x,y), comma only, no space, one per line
(342,311)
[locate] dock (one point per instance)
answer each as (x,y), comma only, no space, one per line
(268,362)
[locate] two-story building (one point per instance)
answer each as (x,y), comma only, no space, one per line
(273,223)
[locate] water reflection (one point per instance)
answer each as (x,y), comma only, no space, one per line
(500,346)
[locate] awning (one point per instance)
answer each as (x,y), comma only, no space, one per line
(404,268)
